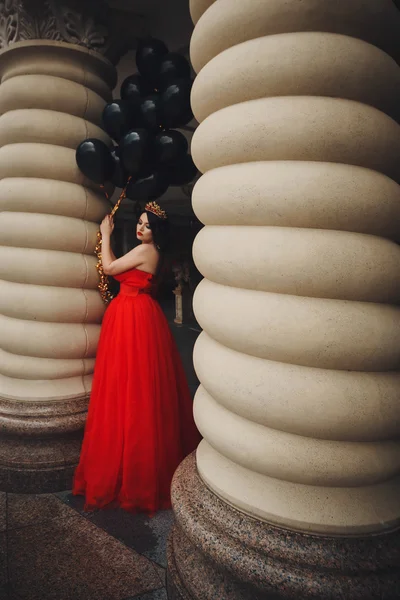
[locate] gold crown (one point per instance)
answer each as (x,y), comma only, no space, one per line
(154,208)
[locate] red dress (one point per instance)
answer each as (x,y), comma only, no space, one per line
(140,424)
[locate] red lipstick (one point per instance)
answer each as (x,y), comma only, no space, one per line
(139,233)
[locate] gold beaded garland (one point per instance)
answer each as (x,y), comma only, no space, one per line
(105,293)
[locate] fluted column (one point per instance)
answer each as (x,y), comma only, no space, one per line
(51,98)
(299,361)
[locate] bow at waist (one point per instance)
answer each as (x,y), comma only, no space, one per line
(131,290)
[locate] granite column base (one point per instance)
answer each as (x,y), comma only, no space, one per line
(38,465)
(218,553)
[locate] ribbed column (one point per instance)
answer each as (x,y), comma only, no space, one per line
(294,491)
(51,98)
(299,362)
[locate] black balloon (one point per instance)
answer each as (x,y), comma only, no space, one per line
(94,160)
(150,112)
(173,66)
(169,146)
(135,149)
(117,119)
(176,109)
(183,172)
(133,89)
(149,187)
(119,175)
(149,55)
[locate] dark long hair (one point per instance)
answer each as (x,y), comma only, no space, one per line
(160,231)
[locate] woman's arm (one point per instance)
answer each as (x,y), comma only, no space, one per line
(107,255)
(106,229)
(134,258)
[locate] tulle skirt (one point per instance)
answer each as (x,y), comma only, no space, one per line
(140,424)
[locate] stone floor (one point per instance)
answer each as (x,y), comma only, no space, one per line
(50,549)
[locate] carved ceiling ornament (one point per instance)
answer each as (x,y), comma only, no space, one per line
(66,21)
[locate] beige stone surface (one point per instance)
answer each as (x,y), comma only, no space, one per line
(51,98)
(49,92)
(68,62)
(72,199)
(53,267)
(280,455)
(49,303)
(313,332)
(43,161)
(48,126)
(18,366)
(299,361)
(299,128)
(198,7)
(293,261)
(49,340)
(311,195)
(306,401)
(313,509)
(295,64)
(48,232)
(73,388)
(226,23)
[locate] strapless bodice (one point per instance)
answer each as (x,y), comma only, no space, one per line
(134,282)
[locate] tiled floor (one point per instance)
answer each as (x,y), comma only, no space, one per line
(50,549)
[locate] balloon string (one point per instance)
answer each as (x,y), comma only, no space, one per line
(122,197)
(105,293)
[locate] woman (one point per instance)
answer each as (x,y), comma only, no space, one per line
(140,424)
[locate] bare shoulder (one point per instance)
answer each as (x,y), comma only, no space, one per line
(146,250)
(145,253)
(140,251)
(144,256)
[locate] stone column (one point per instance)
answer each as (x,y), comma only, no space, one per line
(297,486)
(52,94)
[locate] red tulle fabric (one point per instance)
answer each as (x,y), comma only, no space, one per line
(140,424)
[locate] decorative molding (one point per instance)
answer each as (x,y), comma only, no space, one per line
(65,21)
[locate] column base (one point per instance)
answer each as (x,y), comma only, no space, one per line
(215,551)
(38,466)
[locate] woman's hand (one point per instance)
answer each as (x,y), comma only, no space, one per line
(107,226)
